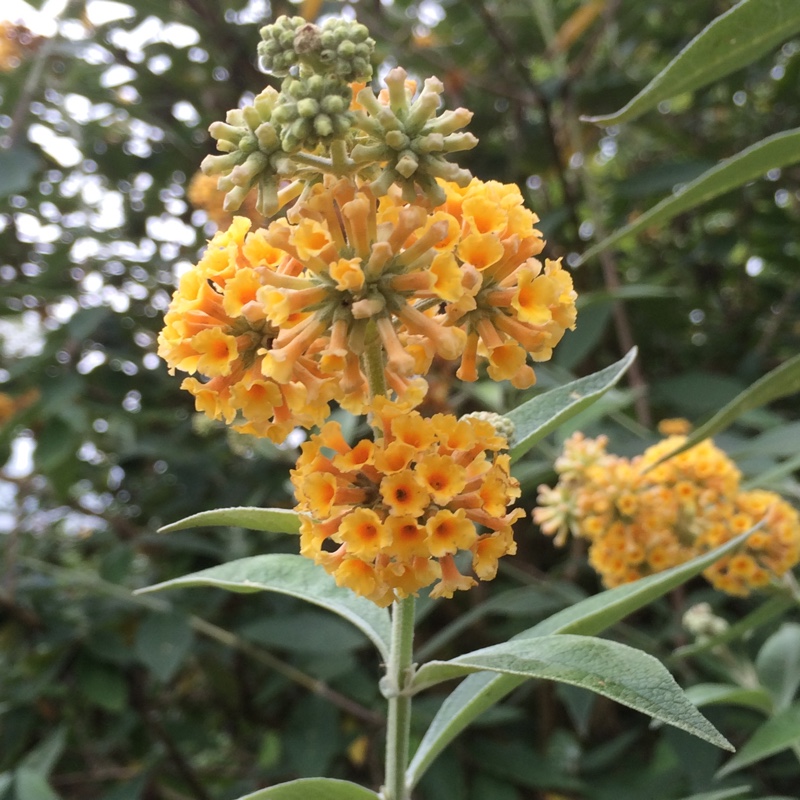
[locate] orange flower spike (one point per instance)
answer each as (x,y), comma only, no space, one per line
(403,495)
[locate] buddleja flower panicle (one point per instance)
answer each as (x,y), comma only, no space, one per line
(387,518)
(644,515)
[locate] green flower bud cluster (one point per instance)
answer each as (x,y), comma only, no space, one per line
(252,152)
(341,48)
(276,50)
(503,425)
(409,140)
(312,110)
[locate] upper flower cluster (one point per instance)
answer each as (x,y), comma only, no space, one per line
(641,516)
(295,306)
(313,126)
(387,517)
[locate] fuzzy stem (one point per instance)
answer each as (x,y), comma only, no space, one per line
(373,363)
(398,675)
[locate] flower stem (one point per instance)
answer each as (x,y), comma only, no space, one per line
(398,675)
(373,363)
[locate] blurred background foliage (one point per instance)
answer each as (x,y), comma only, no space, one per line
(104,108)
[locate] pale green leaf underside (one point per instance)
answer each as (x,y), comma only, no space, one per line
(313,789)
(782,381)
(541,415)
(709,694)
(755,161)
(629,676)
(591,616)
(295,576)
(734,39)
(272,520)
(776,734)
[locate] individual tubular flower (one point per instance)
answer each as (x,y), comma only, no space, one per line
(406,138)
(388,518)
(216,329)
(646,515)
(253,156)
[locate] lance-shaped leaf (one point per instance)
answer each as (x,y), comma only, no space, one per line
(591,616)
(296,576)
(778,733)
(782,381)
(544,413)
(709,694)
(753,162)
(629,676)
(313,789)
(273,520)
(734,39)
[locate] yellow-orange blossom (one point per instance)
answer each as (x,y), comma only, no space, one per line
(640,519)
(387,518)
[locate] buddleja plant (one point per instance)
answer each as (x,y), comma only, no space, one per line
(378,258)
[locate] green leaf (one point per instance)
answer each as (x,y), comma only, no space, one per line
(782,381)
(18,167)
(778,664)
(722,794)
(617,671)
(733,40)
(751,163)
(708,694)
(295,576)
(778,733)
(313,789)
(30,785)
(544,413)
(45,755)
(162,643)
(273,520)
(589,617)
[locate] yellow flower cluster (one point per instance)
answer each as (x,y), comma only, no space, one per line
(642,517)
(216,327)
(288,311)
(387,517)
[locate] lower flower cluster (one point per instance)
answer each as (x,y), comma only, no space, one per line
(641,516)
(388,517)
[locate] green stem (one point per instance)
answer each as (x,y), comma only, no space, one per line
(373,363)
(398,675)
